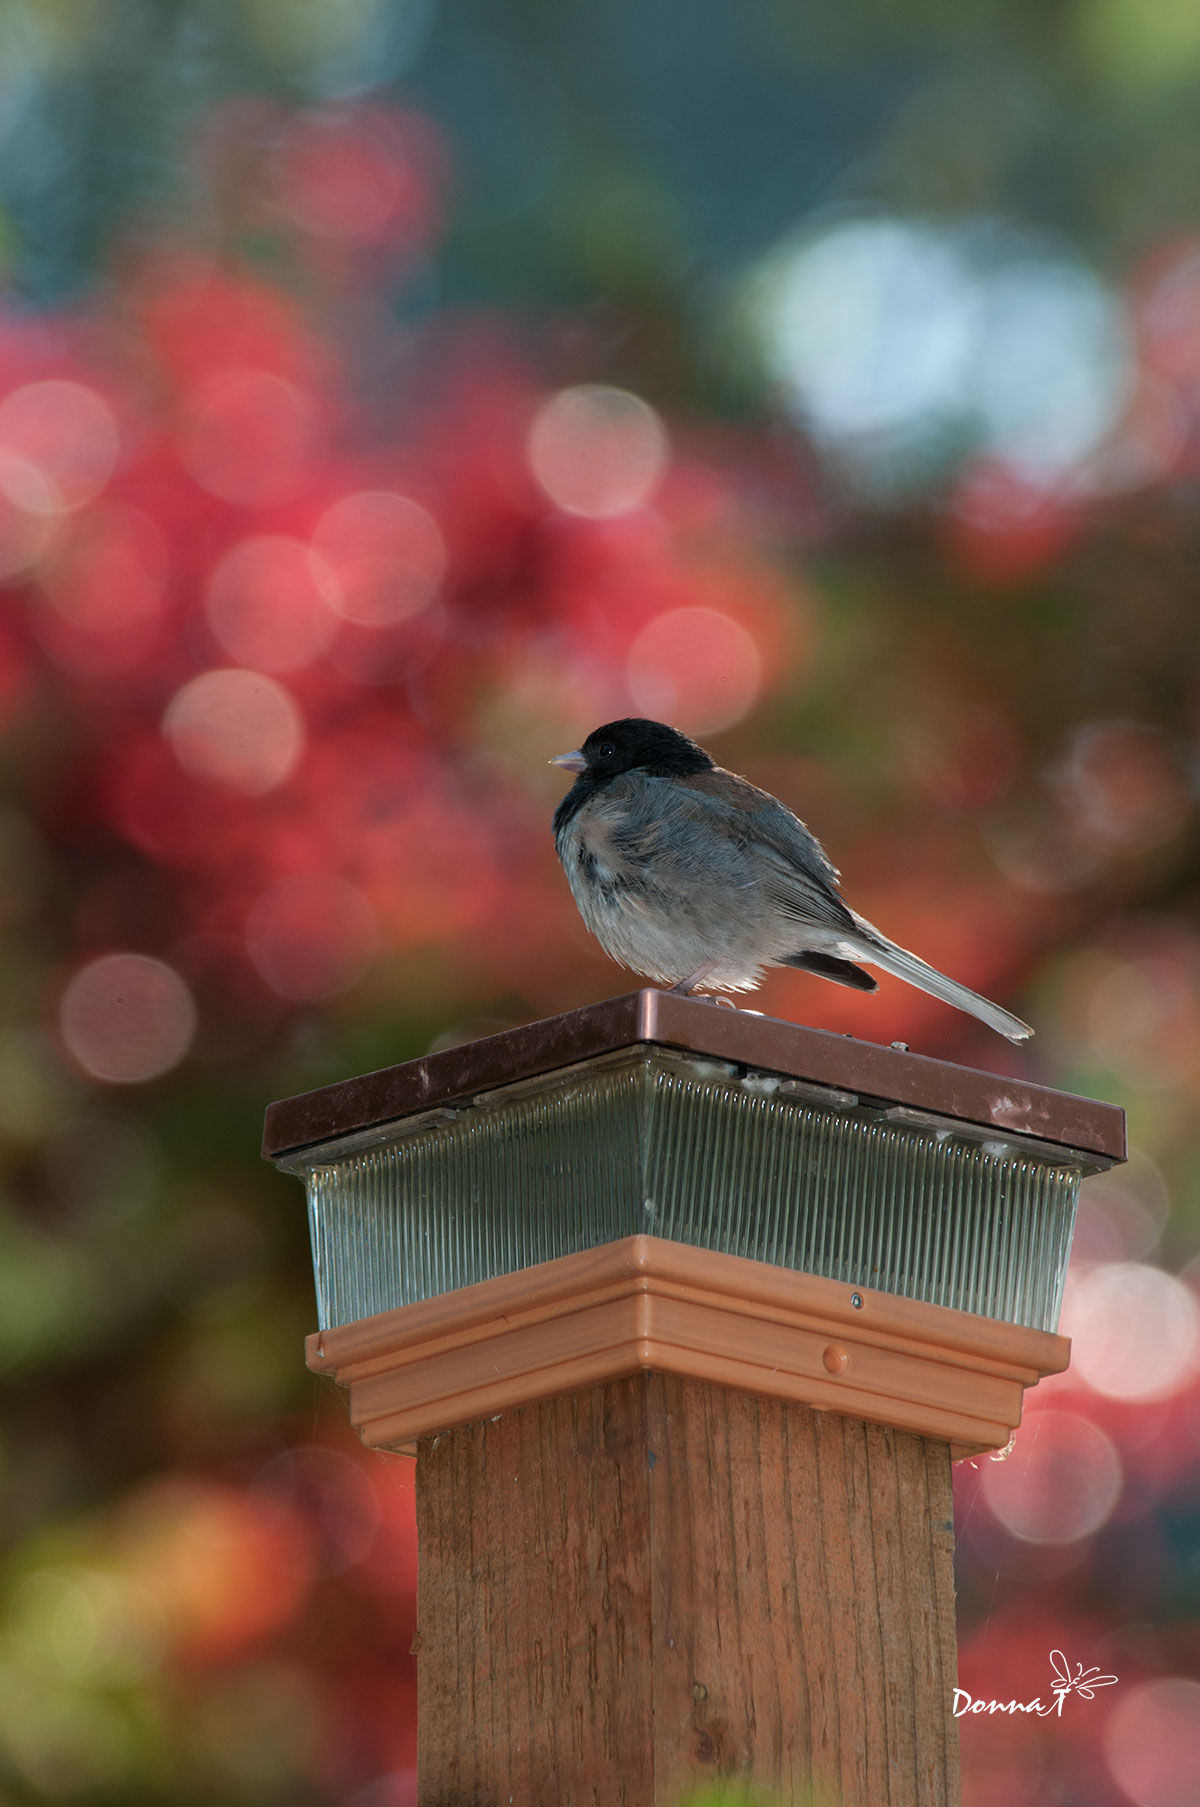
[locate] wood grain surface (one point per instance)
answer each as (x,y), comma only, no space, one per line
(632,1591)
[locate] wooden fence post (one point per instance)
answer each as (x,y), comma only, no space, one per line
(685,1314)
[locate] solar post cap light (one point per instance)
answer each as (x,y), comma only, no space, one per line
(685,1313)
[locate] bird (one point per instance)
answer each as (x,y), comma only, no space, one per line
(699,881)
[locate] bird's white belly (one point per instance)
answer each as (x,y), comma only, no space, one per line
(656,931)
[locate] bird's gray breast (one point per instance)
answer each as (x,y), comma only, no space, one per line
(601,866)
(652,885)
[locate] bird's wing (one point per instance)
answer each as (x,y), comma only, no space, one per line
(796,873)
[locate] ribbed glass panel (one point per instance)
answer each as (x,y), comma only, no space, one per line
(687,1149)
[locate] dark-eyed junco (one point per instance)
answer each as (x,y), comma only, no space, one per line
(697,879)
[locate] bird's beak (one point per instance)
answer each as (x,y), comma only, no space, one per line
(571,762)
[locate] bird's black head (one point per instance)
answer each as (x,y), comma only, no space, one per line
(635,745)
(631,745)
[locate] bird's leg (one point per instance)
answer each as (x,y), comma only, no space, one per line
(685,987)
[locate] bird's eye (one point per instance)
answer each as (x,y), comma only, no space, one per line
(607,750)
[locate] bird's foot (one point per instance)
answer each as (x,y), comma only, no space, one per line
(686,989)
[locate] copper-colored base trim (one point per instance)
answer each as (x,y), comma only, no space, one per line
(646,1303)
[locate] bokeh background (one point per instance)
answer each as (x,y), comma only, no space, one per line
(390,392)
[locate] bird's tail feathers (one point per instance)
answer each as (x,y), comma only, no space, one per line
(898,961)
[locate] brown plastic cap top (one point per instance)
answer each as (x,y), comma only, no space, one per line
(1012,1107)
